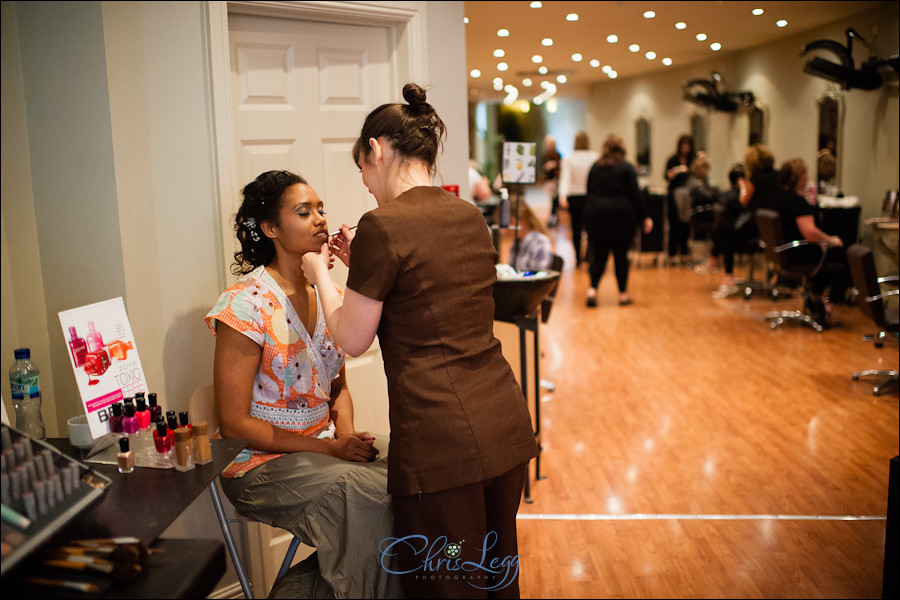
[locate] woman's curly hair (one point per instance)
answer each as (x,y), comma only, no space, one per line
(261,203)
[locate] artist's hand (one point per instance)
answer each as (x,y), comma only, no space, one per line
(354,449)
(315,265)
(648,225)
(340,244)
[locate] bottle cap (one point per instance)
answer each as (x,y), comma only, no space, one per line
(183,418)
(182,434)
(172,423)
(21,353)
(161,430)
(72,332)
(117,409)
(123,444)
(201,428)
(151,399)
(129,410)
(141,403)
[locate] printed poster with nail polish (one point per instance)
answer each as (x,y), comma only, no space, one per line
(519,162)
(104,358)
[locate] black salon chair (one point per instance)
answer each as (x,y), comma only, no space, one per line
(779,253)
(871,303)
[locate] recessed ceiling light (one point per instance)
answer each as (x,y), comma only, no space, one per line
(498,85)
(680,25)
(649,14)
(537,58)
(612,74)
(667,61)
(466,20)
(612,39)
(526,82)
(758,11)
(781,23)
(701,37)
(547,42)
(595,63)
(497,80)
(503,33)
(542,70)
(475,73)
(571,17)
(715,46)
(634,48)
(577,57)
(502,66)
(536,5)
(650,55)
(499,53)
(606,68)
(562,79)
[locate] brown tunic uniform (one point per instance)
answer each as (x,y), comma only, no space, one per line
(457,413)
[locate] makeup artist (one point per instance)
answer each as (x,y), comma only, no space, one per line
(279,382)
(421,278)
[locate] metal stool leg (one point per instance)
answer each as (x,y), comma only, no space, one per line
(229,540)
(288,559)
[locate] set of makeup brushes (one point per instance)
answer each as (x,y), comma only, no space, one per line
(118,558)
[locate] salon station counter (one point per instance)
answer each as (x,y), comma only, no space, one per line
(140,504)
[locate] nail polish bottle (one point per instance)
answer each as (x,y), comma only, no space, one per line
(184,454)
(171,426)
(155,409)
(77,346)
(96,362)
(183,420)
(130,423)
(141,411)
(94,339)
(202,448)
(125,457)
(115,421)
(163,442)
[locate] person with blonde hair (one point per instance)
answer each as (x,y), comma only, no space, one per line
(615,207)
(533,250)
(573,188)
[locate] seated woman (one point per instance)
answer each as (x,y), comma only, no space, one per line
(799,222)
(279,382)
(535,251)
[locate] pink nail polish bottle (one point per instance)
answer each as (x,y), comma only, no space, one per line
(94,339)
(130,423)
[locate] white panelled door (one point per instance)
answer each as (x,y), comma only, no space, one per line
(300,93)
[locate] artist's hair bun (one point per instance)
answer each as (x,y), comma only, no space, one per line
(415,97)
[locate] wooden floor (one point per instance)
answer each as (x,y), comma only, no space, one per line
(692,452)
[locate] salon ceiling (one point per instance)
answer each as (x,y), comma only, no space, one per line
(731,24)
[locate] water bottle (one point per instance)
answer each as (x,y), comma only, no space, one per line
(24,383)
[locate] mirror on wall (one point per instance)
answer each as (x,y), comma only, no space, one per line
(698,131)
(757,126)
(642,146)
(826,155)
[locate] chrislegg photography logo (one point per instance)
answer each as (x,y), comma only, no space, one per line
(443,559)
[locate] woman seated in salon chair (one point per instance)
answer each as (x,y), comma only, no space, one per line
(279,381)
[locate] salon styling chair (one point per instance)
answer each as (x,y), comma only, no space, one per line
(872,305)
(778,252)
(202,408)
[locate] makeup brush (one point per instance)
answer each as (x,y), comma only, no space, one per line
(338,231)
(81,586)
(119,572)
(118,553)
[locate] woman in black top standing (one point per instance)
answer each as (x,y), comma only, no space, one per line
(678,170)
(614,208)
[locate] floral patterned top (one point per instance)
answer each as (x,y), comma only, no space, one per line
(293,385)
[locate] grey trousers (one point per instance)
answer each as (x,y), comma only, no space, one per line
(340,508)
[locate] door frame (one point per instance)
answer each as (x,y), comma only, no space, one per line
(406,25)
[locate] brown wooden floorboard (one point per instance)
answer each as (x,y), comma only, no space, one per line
(691,407)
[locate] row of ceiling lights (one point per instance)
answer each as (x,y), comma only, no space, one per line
(512,91)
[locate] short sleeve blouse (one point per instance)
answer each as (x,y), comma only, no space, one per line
(292,388)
